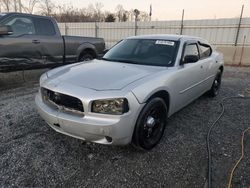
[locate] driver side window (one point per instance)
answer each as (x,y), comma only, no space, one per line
(191,49)
(21,26)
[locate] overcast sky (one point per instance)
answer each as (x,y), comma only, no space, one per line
(171,9)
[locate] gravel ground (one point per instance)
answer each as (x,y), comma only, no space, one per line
(33,155)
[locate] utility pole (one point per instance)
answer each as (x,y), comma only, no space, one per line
(150,12)
(136,13)
(238,29)
(182,21)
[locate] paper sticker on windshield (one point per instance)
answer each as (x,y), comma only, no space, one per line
(165,42)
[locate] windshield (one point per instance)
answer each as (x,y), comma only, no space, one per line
(144,52)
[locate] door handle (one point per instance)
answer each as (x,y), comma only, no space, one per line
(201,66)
(35,41)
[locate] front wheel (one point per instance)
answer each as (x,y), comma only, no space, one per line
(150,125)
(214,91)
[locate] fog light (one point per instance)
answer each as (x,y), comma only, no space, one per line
(109,139)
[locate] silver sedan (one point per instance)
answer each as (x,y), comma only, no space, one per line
(128,95)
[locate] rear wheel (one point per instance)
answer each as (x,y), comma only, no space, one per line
(86,56)
(214,91)
(150,125)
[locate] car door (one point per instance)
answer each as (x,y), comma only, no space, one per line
(50,41)
(189,77)
(208,62)
(19,50)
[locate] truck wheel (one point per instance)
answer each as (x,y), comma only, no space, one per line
(86,57)
(214,91)
(150,125)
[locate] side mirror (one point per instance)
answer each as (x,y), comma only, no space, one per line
(6,30)
(190,59)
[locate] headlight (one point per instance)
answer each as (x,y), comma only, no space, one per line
(43,78)
(110,106)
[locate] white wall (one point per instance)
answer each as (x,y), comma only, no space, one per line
(216,31)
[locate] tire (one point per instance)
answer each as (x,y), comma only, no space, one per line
(215,89)
(150,124)
(86,56)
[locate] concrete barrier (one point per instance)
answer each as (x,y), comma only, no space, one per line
(235,55)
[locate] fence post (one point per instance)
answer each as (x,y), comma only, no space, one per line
(242,50)
(96,29)
(182,21)
(239,25)
(66,28)
(136,26)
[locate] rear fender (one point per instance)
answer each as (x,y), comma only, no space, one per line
(84,47)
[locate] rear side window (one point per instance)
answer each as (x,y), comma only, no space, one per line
(206,50)
(44,27)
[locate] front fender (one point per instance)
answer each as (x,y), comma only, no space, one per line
(144,96)
(144,92)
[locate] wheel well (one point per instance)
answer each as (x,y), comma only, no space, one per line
(88,51)
(221,69)
(162,94)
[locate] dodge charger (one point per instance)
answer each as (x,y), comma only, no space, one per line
(128,95)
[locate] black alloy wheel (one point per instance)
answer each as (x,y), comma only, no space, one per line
(214,91)
(150,125)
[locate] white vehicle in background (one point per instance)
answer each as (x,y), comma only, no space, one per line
(128,95)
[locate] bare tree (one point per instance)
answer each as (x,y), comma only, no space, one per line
(131,15)
(47,7)
(64,13)
(1,6)
(6,5)
(125,16)
(119,12)
(20,5)
(109,17)
(11,5)
(30,6)
(98,7)
(15,5)
(144,16)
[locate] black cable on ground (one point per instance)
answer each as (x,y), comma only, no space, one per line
(209,172)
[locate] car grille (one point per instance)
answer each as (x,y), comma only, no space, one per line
(63,101)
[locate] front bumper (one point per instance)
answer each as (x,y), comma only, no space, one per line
(92,127)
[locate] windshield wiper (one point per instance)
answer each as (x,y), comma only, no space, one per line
(121,60)
(105,59)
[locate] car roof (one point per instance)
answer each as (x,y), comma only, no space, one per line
(166,37)
(22,14)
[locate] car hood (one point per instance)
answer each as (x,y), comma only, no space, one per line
(101,75)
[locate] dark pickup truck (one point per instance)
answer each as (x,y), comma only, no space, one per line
(34,42)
